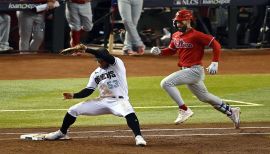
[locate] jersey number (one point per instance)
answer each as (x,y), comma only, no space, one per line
(112,84)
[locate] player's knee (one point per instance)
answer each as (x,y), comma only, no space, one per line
(87,28)
(128,22)
(72,111)
(164,84)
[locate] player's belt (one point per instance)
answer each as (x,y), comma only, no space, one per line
(190,66)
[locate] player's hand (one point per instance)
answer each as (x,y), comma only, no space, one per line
(155,51)
(212,68)
(50,5)
(68,95)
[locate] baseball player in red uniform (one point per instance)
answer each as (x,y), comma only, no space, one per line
(110,79)
(189,45)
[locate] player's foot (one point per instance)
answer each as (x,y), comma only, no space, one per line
(183,116)
(55,135)
(235,117)
(140,141)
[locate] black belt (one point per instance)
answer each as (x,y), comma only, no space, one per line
(120,97)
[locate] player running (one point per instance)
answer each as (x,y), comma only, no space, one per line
(189,45)
(110,79)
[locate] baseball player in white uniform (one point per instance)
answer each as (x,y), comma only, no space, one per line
(79,17)
(110,79)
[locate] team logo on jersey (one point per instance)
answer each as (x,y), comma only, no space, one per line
(104,76)
(180,43)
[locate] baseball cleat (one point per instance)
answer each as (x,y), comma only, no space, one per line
(235,117)
(183,116)
(140,141)
(55,136)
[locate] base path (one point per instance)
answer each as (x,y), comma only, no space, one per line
(168,139)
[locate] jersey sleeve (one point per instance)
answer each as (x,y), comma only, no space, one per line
(210,41)
(171,50)
(92,84)
(119,64)
(204,39)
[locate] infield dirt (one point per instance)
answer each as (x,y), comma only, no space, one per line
(186,138)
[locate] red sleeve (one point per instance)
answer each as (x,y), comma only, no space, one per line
(209,40)
(168,52)
(216,50)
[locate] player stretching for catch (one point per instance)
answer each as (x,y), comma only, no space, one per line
(189,44)
(110,79)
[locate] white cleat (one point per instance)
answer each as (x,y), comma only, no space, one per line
(235,117)
(183,116)
(55,136)
(140,141)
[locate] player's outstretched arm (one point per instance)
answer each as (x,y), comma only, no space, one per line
(82,94)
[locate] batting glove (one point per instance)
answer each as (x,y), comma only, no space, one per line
(155,51)
(212,68)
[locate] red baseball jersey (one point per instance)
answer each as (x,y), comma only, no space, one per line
(190,47)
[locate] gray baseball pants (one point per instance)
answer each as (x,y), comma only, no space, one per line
(79,16)
(193,77)
(31,30)
(4,29)
(130,11)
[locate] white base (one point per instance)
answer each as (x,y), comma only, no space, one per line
(37,137)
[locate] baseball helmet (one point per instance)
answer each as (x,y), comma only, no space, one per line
(183,15)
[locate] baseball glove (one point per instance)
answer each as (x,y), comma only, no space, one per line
(73,50)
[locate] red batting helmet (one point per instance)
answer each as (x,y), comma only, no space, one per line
(183,15)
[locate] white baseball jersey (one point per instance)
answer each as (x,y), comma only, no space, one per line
(110,81)
(112,85)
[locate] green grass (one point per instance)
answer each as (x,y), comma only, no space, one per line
(143,92)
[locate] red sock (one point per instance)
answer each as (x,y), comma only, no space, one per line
(75,38)
(183,107)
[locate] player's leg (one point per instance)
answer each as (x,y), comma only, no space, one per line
(134,125)
(4,32)
(136,10)
(25,24)
(125,13)
(169,84)
(123,108)
(73,18)
(201,92)
(91,107)
(38,32)
(85,12)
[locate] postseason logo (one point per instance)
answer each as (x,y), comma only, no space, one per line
(201,2)
(21,6)
(186,2)
(216,2)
